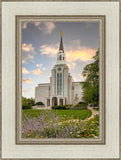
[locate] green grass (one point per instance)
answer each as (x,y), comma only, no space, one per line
(64,114)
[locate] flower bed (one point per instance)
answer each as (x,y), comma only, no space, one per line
(56,127)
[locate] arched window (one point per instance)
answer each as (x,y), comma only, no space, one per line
(60,57)
(59,83)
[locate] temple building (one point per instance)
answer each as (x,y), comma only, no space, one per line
(62,89)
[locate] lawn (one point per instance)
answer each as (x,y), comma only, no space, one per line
(63,114)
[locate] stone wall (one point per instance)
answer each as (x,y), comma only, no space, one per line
(42,91)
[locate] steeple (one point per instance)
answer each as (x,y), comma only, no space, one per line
(61,55)
(61,44)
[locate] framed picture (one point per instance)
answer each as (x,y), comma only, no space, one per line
(60,80)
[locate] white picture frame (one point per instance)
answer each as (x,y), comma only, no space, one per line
(108,150)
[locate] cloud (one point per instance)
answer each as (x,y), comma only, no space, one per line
(23,61)
(23,91)
(73,52)
(27,47)
(25,71)
(49,50)
(27,80)
(39,65)
(37,23)
(24,25)
(69,66)
(28,52)
(26,57)
(45,69)
(73,64)
(81,75)
(82,53)
(37,72)
(46,27)
(32,88)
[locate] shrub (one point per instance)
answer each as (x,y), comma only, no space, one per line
(59,107)
(82,103)
(39,103)
(81,106)
(26,107)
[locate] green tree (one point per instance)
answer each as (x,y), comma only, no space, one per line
(91,84)
(31,101)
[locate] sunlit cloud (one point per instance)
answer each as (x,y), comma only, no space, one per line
(45,69)
(24,25)
(69,66)
(37,72)
(80,53)
(27,80)
(25,71)
(27,47)
(23,61)
(49,50)
(83,53)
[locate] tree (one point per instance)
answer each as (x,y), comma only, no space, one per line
(27,103)
(91,84)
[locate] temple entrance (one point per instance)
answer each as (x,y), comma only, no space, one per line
(54,101)
(48,102)
(61,102)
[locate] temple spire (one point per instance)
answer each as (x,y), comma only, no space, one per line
(61,44)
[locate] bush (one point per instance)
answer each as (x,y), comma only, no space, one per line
(81,106)
(82,103)
(39,103)
(59,107)
(26,107)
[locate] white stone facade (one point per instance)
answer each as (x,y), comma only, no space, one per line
(61,90)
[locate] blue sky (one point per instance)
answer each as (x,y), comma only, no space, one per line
(40,44)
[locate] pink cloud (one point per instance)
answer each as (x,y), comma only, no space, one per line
(27,80)
(37,72)
(25,71)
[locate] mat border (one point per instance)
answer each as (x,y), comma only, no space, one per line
(1,78)
(102,21)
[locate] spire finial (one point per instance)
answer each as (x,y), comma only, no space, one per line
(61,43)
(61,34)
